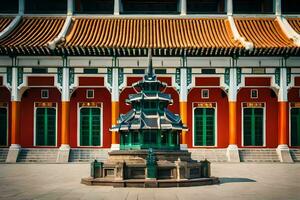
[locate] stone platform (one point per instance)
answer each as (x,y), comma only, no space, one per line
(131,168)
(144,183)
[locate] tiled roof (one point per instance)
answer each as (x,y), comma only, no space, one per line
(133,36)
(32,35)
(202,35)
(266,35)
(4,22)
(295,24)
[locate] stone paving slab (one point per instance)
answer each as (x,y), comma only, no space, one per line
(238,181)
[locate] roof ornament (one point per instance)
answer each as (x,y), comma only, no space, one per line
(150,75)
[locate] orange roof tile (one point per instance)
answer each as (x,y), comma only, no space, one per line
(33,33)
(265,33)
(295,24)
(151,33)
(4,22)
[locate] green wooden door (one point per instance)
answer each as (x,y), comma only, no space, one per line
(204,127)
(295,126)
(90,127)
(253,125)
(45,126)
(3,127)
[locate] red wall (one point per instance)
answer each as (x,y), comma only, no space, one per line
(100,95)
(257,81)
(40,81)
(264,95)
(294,95)
(27,114)
(5,97)
(215,95)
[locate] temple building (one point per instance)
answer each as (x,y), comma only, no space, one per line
(232,68)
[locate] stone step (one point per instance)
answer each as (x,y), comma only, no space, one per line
(295,153)
(212,155)
(88,155)
(258,155)
(38,155)
(3,154)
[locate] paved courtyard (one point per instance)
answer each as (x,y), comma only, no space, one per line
(62,181)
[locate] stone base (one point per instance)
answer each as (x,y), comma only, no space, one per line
(183,147)
(144,183)
(131,168)
(63,154)
(233,153)
(115,147)
(284,154)
(13,153)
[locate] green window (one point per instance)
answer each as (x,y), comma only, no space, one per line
(149,137)
(45,126)
(204,127)
(90,126)
(295,126)
(3,126)
(253,126)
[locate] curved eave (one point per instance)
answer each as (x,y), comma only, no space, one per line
(267,37)
(295,24)
(31,36)
(4,22)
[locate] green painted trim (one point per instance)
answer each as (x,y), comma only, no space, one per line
(90,127)
(46,126)
(204,126)
(295,126)
(3,126)
(298,128)
(80,129)
(253,126)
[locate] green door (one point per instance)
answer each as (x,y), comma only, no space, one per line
(3,127)
(253,124)
(45,126)
(295,126)
(204,127)
(90,127)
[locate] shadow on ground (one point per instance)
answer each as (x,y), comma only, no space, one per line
(235,180)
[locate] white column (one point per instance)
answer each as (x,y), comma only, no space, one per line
(232,91)
(282,94)
(21,7)
(232,149)
(278,7)
(115,143)
(65,94)
(70,7)
(14,85)
(229,7)
(64,149)
(283,105)
(183,103)
(183,85)
(183,7)
(117,7)
(15,147)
